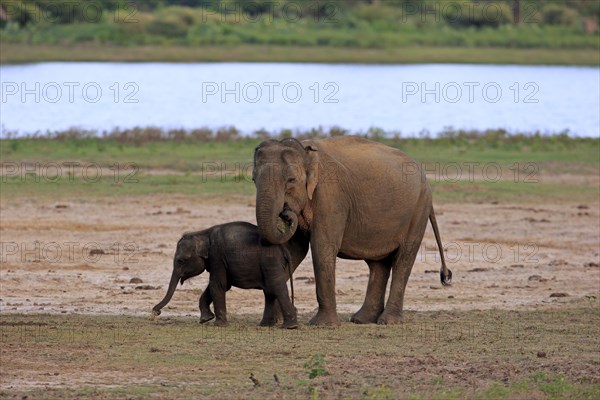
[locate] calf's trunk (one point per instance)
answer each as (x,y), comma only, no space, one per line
(172,286)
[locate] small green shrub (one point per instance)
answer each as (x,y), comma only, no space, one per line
(316,366)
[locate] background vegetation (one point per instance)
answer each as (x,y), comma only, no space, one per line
(356,24)
(218,163)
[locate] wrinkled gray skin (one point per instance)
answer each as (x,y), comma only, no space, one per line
(358,200)
(235,255)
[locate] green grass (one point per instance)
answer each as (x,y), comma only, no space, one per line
(510,192)
(216,184)
(139,184)
(190,155)
(178,156)
(482,170)
(12,53)
(442,355)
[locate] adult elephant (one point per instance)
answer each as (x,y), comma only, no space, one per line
(358,200)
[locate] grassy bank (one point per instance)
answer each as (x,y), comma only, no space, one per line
(339,31)
(551,353)
(12,53)
(461,167)
(218,186)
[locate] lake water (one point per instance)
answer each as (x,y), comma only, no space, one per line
(273,96)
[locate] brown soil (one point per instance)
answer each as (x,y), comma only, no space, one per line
(81,256)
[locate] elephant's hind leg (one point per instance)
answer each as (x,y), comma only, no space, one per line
(288,310)
(379,273)
(272,309)
(401,268)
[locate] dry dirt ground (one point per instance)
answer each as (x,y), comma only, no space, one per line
(80,256)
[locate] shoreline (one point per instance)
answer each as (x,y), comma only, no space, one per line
(16,54)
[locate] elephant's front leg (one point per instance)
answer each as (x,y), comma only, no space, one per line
(204,304)
(218,295)
(324,254)
(270,314)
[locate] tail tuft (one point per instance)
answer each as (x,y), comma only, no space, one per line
(446,279)
(445,273)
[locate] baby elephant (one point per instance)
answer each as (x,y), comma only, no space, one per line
(234,255)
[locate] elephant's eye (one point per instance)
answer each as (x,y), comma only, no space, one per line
(291,180)
(180,261)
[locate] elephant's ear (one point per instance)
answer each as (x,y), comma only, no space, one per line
(202,245)
(312,170)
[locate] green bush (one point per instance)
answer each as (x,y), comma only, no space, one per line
(555,14)
(138,26)
(185,15)
(478,14)
(173,22)
(21,12)
(167,27)
(381,18)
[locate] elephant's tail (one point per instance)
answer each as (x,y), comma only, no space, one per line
(445,273)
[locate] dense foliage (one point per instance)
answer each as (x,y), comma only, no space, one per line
(350,23)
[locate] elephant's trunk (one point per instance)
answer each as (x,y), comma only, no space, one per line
(172,286)
(275,224)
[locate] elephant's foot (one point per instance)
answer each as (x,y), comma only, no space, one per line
(387,318)
(268,322)
(291,324)
(325,319)
(221,323)
(365,317)
(206,316)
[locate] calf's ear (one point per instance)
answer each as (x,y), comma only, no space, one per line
(202,246)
